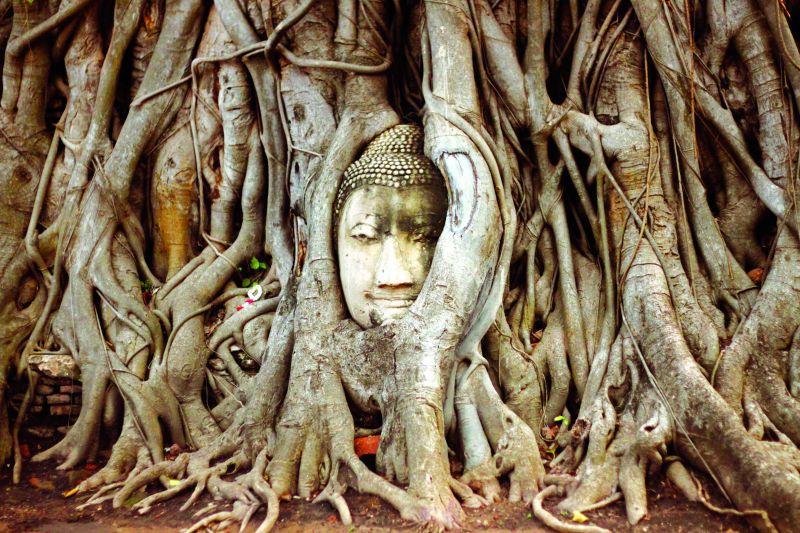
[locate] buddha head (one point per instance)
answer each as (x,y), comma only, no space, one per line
(389,211)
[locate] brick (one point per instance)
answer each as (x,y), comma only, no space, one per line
(58,399)
(69,389)
(36,409)
(45,389)
(43,432)
(61,410)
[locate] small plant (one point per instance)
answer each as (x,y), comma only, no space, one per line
(257,264)
(146,285)
(250,271)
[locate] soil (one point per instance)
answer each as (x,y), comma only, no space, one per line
(37,504)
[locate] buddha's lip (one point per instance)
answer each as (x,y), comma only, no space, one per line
(394,302)
(392,295)
(392,299)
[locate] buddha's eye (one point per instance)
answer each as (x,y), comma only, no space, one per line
(425,234)
(364,233)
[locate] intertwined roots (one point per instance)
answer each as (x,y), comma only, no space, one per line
(621,180)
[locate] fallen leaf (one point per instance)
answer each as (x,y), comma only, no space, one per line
(70,492)
(579,517)
(42,484)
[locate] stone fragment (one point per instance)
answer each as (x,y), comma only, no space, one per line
(54,365)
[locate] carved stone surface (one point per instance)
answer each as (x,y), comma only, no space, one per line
(390,211)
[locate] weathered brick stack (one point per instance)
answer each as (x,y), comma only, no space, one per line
(57,397)
(58,393)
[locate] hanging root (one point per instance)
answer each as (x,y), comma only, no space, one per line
(552,522)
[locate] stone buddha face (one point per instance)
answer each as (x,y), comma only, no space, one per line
(391,209)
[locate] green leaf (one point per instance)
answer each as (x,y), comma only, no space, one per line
(174,482)
(254,262)
(246,282)
(262,265)
(530,516)
(559,419)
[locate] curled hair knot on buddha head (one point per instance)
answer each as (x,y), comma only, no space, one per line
(395,158)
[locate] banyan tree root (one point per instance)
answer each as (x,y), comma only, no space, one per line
(580,277)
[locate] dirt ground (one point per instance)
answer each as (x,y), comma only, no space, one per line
(37,504)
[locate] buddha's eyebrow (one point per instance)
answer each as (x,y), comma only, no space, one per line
(365,217)
(427,217)
(420,220)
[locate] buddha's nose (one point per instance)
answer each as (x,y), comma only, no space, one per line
(392,271)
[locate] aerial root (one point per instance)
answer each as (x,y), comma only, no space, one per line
(469,499)
(255,478)
(483,477)
(248,492)
(125,306)
(552,522)
(690,487)
(163,470)
(241,491)
(223,518)
(128,450)
(102,495)
(199,482)
(602,503)
(333,493)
